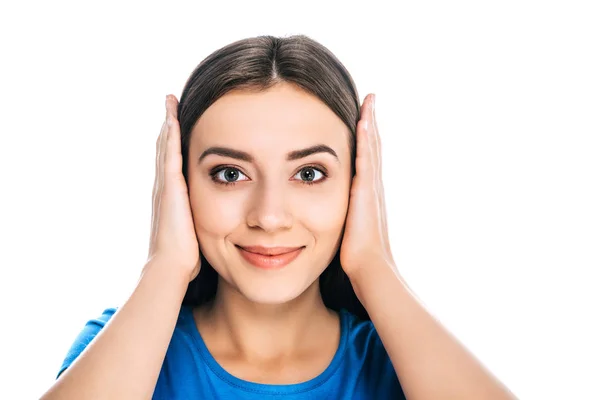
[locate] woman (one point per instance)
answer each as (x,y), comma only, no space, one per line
(269,273)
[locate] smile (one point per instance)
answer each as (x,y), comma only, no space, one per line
(269,261)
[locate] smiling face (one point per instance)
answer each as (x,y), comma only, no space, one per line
(250,184)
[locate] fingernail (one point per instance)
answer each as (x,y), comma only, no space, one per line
(373,102)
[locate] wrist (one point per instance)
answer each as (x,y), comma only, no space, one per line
(166,271)
(368,279)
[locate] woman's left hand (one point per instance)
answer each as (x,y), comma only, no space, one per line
(365,241)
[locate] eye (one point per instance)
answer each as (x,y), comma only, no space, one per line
(308,173)
(226,175)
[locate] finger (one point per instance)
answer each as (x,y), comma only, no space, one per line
(379,162)
(373,138)
(173,160)
(385,220)
(158,177)
(162,150)
(382,203)
(159,170)
(158,173)
(367,114)
(377,137)
(163,143)
(157,158)
(364,167)
(375,147)
(367,148)
(158,139)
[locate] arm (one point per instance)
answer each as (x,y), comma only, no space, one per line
(429,361)
(124,360)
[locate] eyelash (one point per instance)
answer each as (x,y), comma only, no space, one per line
(216,170)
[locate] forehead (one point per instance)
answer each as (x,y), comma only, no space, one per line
(283,117)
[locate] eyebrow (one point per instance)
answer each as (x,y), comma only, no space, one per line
(291,156)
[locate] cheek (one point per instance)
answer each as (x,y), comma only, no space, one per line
(218,213)
(215,214)
(322,213)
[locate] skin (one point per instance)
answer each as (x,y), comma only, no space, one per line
(269,326)
(264,321)
(430,362)
(272,327)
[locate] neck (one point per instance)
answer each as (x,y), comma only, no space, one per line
(260,332)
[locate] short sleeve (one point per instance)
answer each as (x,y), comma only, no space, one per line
(383,378)
(378,378)
(87,334)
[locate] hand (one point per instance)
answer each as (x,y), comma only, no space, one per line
(365,240)
(173,239)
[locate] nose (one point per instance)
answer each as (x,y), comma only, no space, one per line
(269,207)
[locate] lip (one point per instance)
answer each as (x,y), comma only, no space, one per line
(269,251)
(283,256)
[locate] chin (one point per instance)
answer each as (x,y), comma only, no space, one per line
(274,292)
(264,287)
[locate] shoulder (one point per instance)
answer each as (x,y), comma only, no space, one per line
(367,354)
(89,331)
(363,339)
(104,317)
(94,325)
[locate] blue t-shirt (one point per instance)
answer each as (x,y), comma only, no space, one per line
(360,369)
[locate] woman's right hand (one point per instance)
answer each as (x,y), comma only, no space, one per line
(173,240)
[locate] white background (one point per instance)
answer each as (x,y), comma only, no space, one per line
(489,114)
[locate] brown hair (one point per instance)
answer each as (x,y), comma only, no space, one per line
(256,64)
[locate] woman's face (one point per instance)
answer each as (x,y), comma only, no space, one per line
(267,199)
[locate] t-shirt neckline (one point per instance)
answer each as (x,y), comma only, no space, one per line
(262,388)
